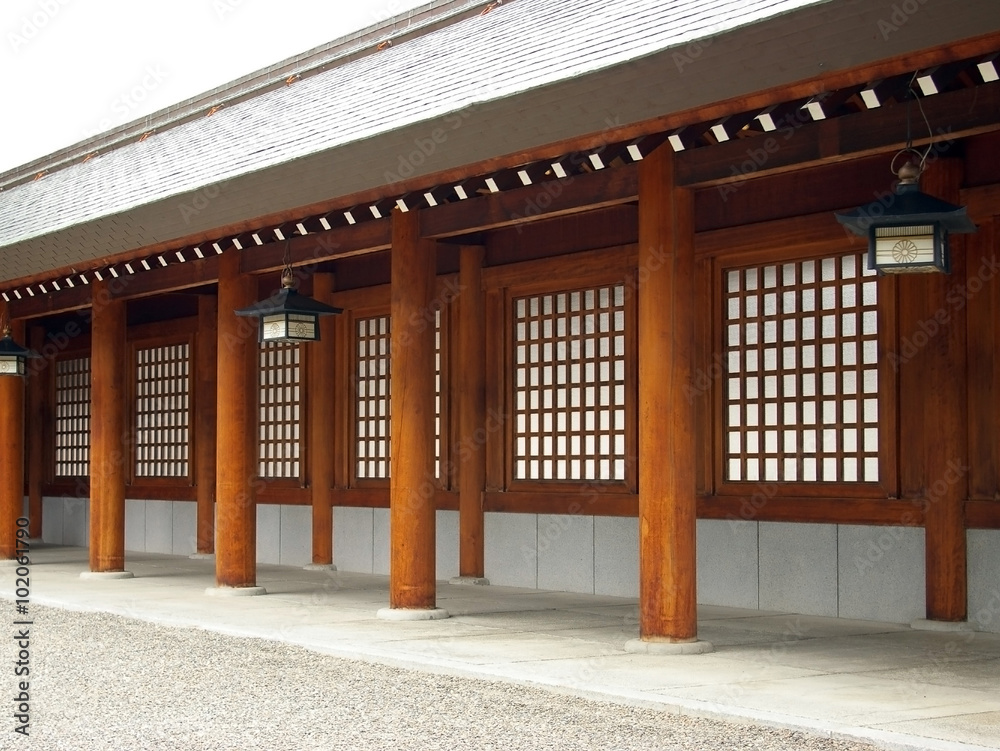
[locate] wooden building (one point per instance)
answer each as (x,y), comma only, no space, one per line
(601,329)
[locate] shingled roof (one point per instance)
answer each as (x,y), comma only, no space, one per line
(528,73)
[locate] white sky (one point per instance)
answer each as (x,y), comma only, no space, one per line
(72,68)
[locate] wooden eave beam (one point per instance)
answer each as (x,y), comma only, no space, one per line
(365,237)
(64,301)
(959,114)
(176,276)
(569,195)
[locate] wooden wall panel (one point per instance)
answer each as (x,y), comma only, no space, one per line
(591,230)
(205,400)
(933,409)
(322,443)
(982,292)
(40,409)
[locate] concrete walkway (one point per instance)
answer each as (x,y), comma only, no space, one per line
(883,683)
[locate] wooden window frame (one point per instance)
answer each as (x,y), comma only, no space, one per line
(300,481)
(52,478)
(376,311)
(374,302)
(162,334)
(606,267)
(716,484)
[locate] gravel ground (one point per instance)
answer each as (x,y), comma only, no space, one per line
(101,681)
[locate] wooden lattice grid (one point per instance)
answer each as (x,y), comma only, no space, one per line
(569,385)
(801,400)
(72,423)
(280,390)
(162,411)
(372,396)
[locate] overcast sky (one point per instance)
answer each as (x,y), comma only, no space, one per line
(74,68)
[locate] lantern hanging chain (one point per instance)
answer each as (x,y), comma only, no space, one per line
(911,94)
(287,275)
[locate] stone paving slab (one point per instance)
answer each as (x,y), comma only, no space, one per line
(882,683)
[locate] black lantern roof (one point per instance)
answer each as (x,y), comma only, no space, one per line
(908,205)
(288,300)
(10,348)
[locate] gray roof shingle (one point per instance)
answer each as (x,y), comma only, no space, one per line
(354,125)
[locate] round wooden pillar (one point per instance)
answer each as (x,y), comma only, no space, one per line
(667,496)
(471,413)
(206,420)
(109,435)
(412,482)
(322,436)
(11,457)
(236,471)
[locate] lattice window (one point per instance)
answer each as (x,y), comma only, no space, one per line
(372,405)
(801,346)
(72,424)
(162,411)
(280,411)
(569,385)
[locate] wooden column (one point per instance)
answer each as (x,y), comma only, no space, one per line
(109,434)
(236,470)
(412,483)
(666,315)
(933,384)
(471,365)
(39,381)
(322,439)
(11,450)
(205,421)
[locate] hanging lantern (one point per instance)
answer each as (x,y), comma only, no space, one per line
(287,316)
(908,233)
(13,356)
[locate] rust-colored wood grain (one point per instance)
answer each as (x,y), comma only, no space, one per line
(109,433)
(496,387)
(40,412)
(412,481)
(984,367)
(933,413)
(471,448)
(205,419)
(322,440)
(667,454)
(11,450)
(236,513)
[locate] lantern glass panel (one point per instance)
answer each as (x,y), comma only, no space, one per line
(273,327)
(905,247)
(302,327)
(11,365)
